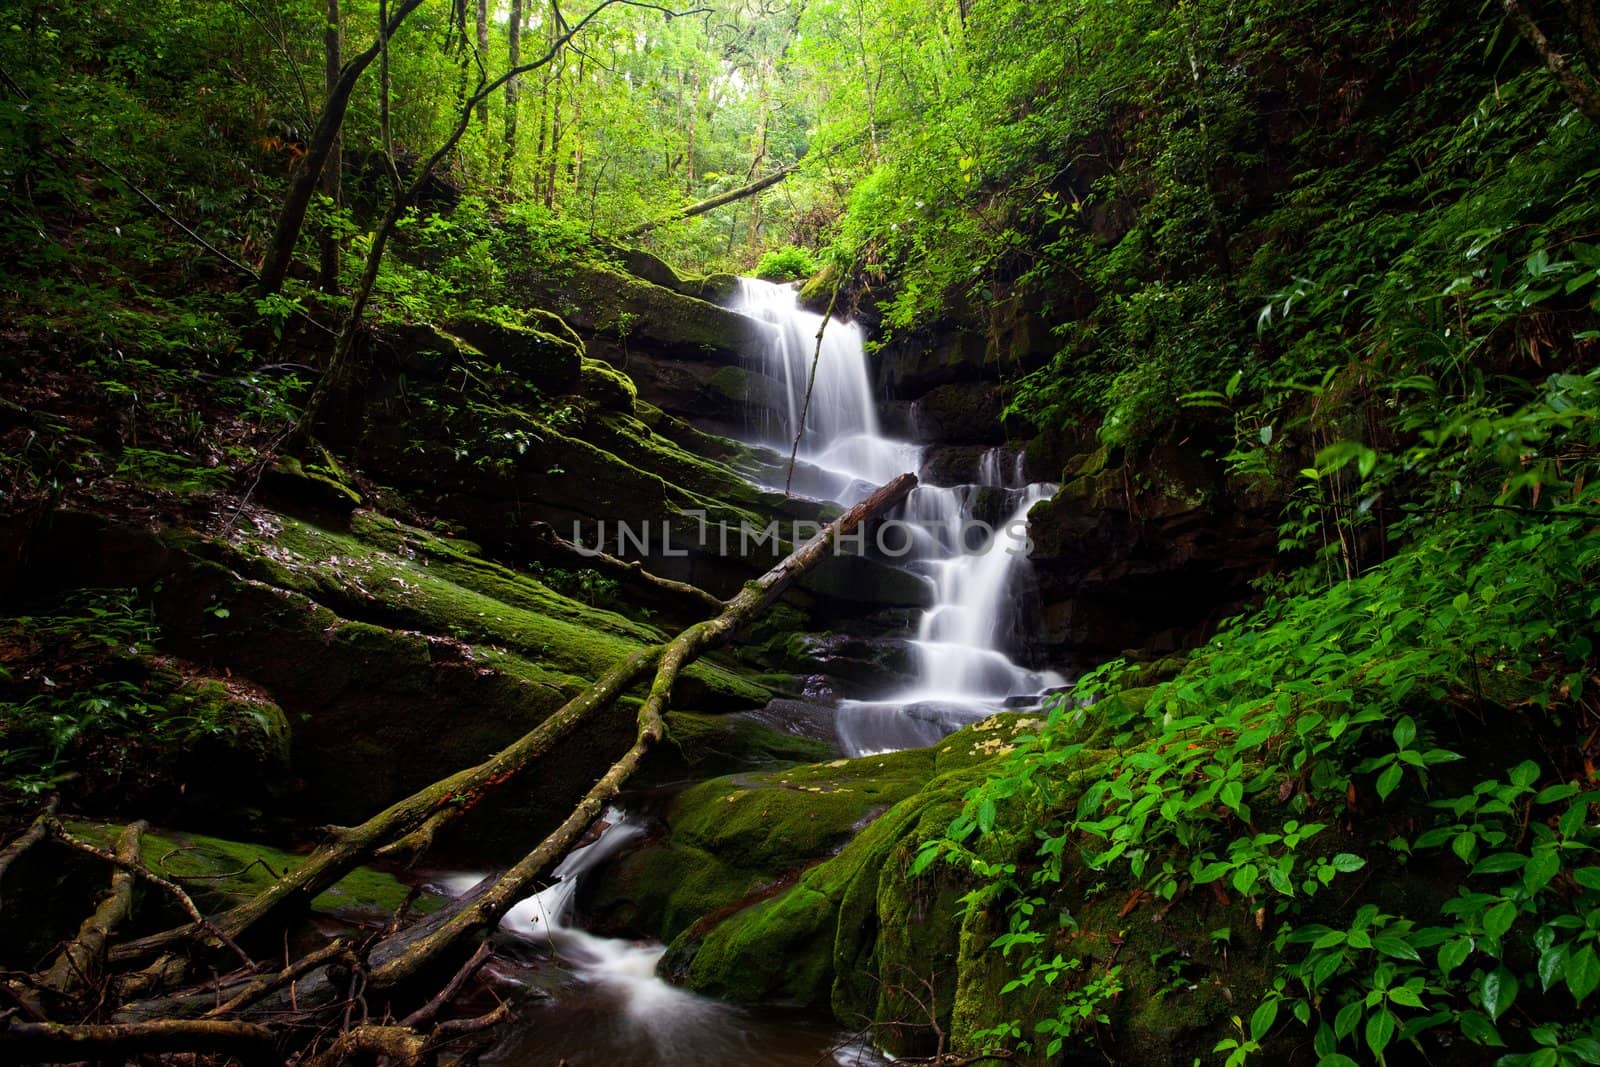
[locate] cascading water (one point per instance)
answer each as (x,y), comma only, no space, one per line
(622,1012)
(962,641)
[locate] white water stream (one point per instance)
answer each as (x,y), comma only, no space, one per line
(623,1012)
(963,643)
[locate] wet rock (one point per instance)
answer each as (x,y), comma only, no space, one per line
(1132,549)
(959,414)
(912,364)
(951,464)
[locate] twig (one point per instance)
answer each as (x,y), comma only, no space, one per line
(77,964)
(139,870)
(29,837)
(267,983)
(816,357)
(425,1014)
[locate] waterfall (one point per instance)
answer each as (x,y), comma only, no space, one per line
(963,640)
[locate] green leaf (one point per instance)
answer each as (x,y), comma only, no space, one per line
(1588,877)
(1379,1032)
(1499,919)
(1345,1023)
(1453,954)
(1345,862)
(1407,996)
(1478,1028)
(1525,773)
(1500,863)
(1552,966)
(1498,989)
(1554,793)
(1405,732)
(1389,780)
(1263,1018)
(1337,1060)
(1397,947)
(1541,869)
(1583,973)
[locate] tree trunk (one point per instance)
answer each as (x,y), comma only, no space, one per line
(1581,88)
(513,85)
(332,48)
(292,216)
(483,61)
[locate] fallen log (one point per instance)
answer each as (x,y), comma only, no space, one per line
(423,814)
(80,962)
(26,1042)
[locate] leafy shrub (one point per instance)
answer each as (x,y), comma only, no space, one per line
(786,264)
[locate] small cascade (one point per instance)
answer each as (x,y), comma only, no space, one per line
(977,569)
(626,968)
(618,1010)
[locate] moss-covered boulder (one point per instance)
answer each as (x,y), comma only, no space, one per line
(296,485)
(736,837)
(851,929)
(397,657)
(714,288)
(606,387)
(548,360)
(611,304)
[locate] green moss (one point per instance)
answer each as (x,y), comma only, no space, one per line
(550,361)
(818,289)
(217,872)
(608,388)
(288,477)
(720,743)
(609,302)
(422,582)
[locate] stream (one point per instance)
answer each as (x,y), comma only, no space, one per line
(598,1001)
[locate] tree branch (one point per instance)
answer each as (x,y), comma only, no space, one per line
(1582,90)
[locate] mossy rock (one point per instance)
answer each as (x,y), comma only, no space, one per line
(610,303)
(292,483)
(719,744)
(817,292)
(714,288)
(606,387)
(383,575)
(649,266)
(549,361)
(218,873)
(733,837)
(961,413)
